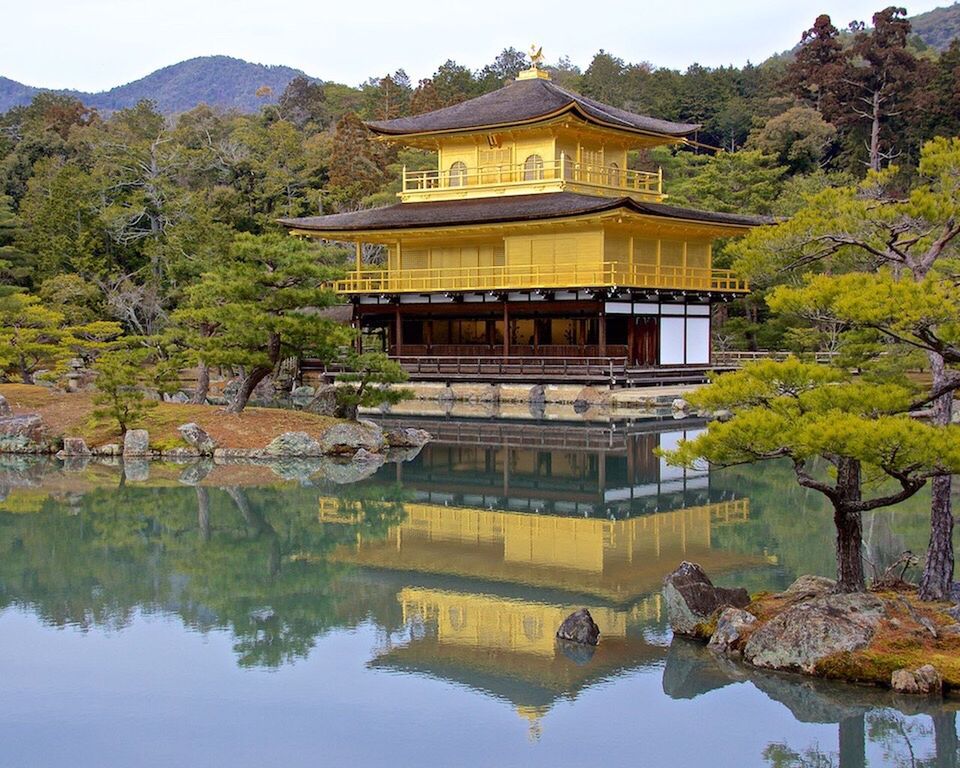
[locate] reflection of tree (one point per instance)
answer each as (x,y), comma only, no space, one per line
(781,756)
(251,561)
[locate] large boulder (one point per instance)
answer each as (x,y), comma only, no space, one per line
(923,680)
(73,447)
(196,436)
(324,401)
(810,586)
(810,631)
(22,434)
(731,626)
(348,437)
(691,598)
(5,409)
(579,627)
(407,437)
(292,444)
(136,442)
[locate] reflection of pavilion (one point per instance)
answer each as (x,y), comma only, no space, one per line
(501,540)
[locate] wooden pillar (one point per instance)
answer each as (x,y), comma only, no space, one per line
(506,328)
(602,330)
(358,341)
(397,330)
(536,334)
(631,339)
(428,334)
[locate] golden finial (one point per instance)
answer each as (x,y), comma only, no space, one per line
(536,61)
(536,55)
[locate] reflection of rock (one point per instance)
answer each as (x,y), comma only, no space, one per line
(730,627)
(136,442)
(136,470)
(296,469)
(691,597)
(75,463)
(924,680)
(181,455)
(195,473)
(350,436)
(691,670)
(194,435)
(806,633)
(578,653)
(579,627)
(344,471)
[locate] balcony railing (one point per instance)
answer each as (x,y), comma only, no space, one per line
(520,175)
(530,276)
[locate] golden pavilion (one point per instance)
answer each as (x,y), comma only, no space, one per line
(532,250)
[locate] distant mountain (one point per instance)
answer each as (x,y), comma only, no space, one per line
(220,81)
(938,27)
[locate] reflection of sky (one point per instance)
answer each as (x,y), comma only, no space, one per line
(155,694)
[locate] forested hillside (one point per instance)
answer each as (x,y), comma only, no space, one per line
(117,216)
(938,27)
(219,81)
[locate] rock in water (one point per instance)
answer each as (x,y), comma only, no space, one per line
(297,444)
(924,680)
(807,633)
(193,434)
(730,626)
(350,436)
(691,597)
(22,434)
(5,409)
(136,442)
(579,627)
(407,437)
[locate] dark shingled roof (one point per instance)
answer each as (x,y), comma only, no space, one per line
(525,101)
(491,210)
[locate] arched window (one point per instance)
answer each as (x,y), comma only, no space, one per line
(458,174)
(613,175)
(533,168)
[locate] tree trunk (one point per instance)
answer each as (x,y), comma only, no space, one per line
(875,133)
(203,384)
(853,743)
(203,513)
(849,528)
(247,386)
(937,580)
(255,376)
(945,739)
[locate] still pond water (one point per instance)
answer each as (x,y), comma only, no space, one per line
(236,615)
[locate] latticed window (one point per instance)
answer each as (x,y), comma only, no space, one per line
(533,168)
(458,174)
(495,165)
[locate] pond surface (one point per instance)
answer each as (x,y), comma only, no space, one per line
(224,615)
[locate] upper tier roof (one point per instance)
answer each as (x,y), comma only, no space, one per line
(490,210)
(526,101)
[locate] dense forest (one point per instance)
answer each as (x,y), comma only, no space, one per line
(108,222)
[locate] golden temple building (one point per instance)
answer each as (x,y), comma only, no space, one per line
(532,248)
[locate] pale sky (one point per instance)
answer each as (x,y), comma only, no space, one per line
(92,45)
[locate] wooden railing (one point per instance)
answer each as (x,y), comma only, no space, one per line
(736,358)
(462,178)
(520,276)
(605,368)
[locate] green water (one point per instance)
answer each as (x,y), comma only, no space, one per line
(230,615)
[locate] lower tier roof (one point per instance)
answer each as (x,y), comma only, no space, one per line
(515,208)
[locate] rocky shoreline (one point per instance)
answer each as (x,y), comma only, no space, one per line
(362,441)
(886,637)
